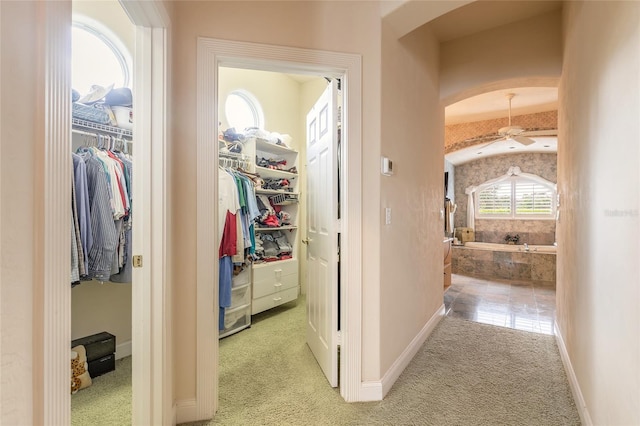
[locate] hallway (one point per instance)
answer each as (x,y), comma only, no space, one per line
(469,372)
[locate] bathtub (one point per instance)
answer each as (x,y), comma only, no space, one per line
(509,247)
(506,261)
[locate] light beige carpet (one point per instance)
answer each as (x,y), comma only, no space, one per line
(465,374)
(107,402)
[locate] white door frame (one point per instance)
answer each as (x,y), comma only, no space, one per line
(213,53)
(151,314)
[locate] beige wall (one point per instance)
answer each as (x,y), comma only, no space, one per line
(411,265)
(110,14)
(278,94)
(318,25)
(530,49)
(598,233)
(20,131)
(97,307)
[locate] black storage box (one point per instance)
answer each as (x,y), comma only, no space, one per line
(100,349)
(103,365)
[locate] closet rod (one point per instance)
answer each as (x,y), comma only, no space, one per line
(126,144)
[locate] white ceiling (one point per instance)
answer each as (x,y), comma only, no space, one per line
(527,100)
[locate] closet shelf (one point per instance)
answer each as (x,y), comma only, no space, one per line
(276,228)
(275,192)
(236,155)
(78,124)
(273,148)
(267,265)
(274,173)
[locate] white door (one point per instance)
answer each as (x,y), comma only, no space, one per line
(322,229)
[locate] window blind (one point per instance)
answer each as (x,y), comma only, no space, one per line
(533,199)
(495,200)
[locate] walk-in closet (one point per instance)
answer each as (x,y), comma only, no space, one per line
(102,213)
(262,218)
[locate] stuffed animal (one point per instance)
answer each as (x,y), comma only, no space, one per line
(80,377)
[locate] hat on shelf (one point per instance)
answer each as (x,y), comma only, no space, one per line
(95,94)
(120,96)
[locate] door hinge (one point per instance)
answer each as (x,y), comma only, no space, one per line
(339,337)
(137,261)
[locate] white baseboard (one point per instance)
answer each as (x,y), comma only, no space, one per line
(123,350)
(174,414)
(186,411)
(376,390)
(370,391)
(573,380)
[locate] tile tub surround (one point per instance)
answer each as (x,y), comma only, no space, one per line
(522,266)
(532,232)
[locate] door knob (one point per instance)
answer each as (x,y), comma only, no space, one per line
(306,240)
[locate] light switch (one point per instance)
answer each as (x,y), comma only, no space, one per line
(386,166)
(387,216)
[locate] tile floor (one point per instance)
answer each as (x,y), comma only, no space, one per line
(521,305)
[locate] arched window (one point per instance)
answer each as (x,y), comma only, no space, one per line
(98,57)
(516,198)
(243,110)
(515,195)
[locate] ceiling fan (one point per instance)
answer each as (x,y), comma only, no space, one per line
(517,133)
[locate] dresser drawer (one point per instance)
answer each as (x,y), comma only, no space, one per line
(273,300)
(244,277)
(240,295)
(267,287)
(274,270)
(236,318)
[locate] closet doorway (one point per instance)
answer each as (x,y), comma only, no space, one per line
(279,132)
(103,44)
(214,54)
(151,336)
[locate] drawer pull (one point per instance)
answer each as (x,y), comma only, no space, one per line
(277,299)
(278,285)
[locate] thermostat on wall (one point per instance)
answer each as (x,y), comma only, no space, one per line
(387,166)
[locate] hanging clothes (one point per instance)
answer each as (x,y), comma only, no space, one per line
(101,195)
(228,207)
(125,251)
(449,210)
(81,198)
